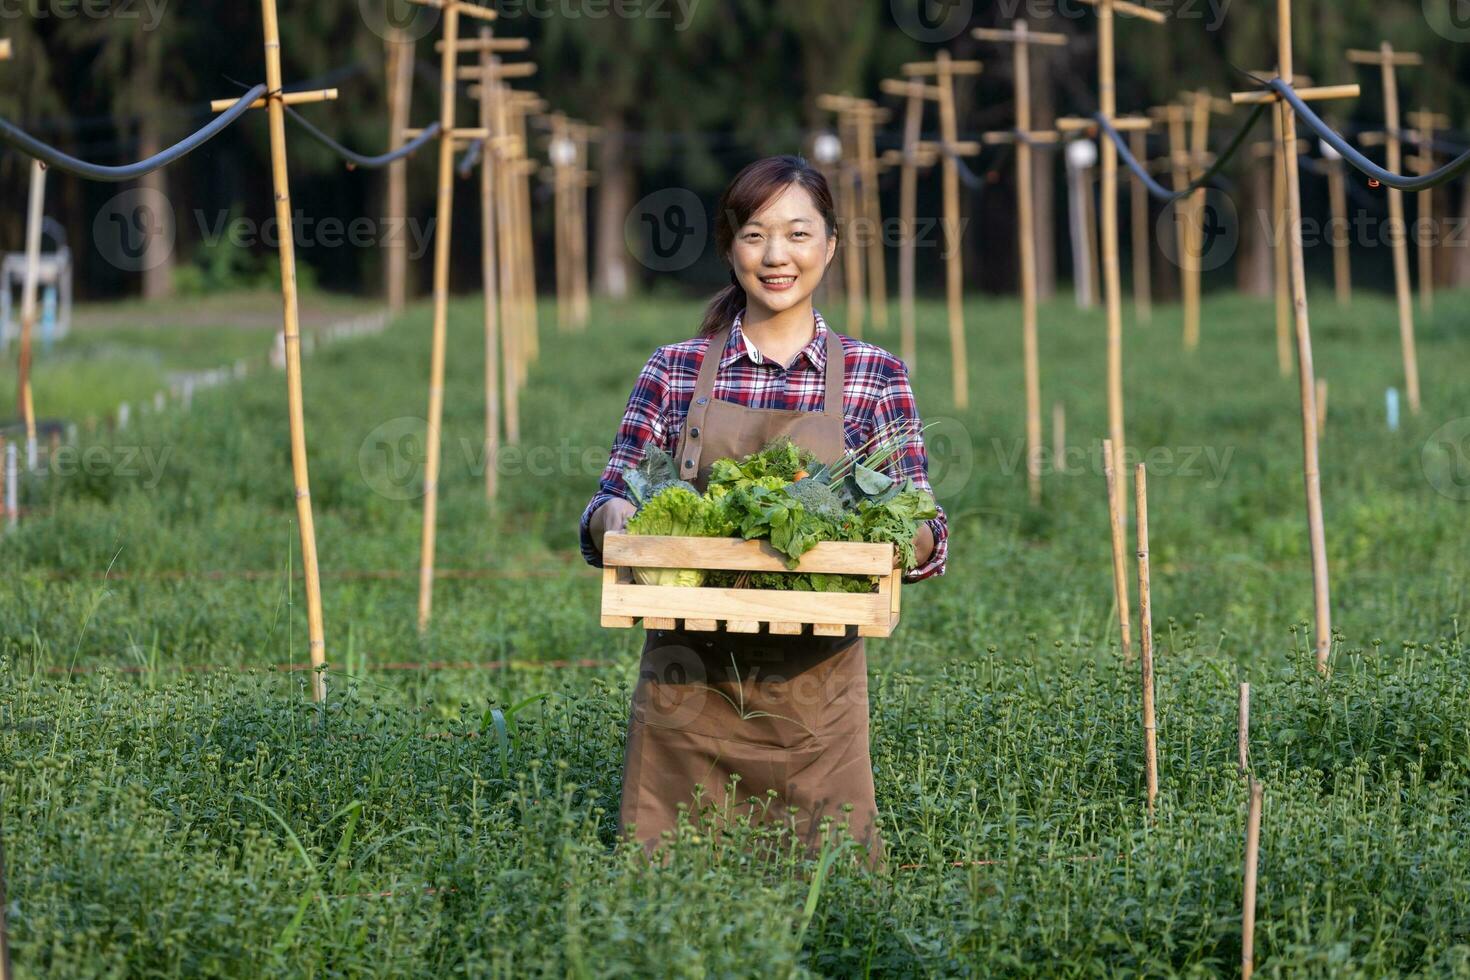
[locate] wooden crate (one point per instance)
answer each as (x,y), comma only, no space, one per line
(624,601)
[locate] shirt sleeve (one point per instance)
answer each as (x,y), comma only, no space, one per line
(897,402)
(644,423)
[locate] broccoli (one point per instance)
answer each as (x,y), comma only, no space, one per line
(818,499)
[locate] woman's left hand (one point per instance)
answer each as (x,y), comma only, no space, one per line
(923,546)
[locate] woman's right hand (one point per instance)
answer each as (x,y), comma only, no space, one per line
(611,516)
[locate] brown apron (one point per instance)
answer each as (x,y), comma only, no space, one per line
(784,716)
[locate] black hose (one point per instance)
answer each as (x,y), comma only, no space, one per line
(51,156)
(1154,188)
(355,159)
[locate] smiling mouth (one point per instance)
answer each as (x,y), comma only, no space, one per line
(777,282)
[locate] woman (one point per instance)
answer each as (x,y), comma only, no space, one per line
(725,724)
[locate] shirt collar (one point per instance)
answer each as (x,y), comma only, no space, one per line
(740,346)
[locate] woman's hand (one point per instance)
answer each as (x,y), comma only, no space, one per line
(611,516)
(923,546)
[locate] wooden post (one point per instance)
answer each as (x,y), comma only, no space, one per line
(849,206)
(1279,253)
(1201,105)
(1120,545)
(400,52)
(443,229)
(35,214)
(1388,60)
(1243,730)
(1252,861)
(274,103)
(1174,117)
(1321,405)
(1425,124)
(1311,471)
(1020,37)
(1139,233)
(866,116)
(1112,277)
(489,267)
(1342,266)
(1058,434)
(914,94)
(1146,644)
(945,69)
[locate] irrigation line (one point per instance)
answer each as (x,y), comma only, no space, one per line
(397,667)
(355,159)
(51,156)
(1159,191)
(345,574)
(1455,168)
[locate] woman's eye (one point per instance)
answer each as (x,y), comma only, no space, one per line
(800,234)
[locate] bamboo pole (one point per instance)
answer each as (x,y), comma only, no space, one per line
(1138,236)
(1146,644)
(1311,473)
(1021,38)
(1201,106)
(1058,434)
(12,486)
(560,169)
(34,217)
(908,197)
(291,328)
(1425,123)
(400,95)
(1112,279)
(1388,61)
(1252,862)
(1120,545)
(1243,729)
(1321,404)
(4,904)
(511,329)
(1342,265)
(852,257)
(444,218)
(867,115)
(489,265)
(1282,254)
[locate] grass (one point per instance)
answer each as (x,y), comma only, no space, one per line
(160,821)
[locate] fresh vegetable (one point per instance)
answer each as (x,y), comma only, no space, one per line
(782,495)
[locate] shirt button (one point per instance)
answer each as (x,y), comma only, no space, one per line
(694,432)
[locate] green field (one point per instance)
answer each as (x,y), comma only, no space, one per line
(163,820)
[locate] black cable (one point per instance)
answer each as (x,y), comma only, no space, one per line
(355,159)
(470,157)
(1154,188)
(51,156)
(1352,155)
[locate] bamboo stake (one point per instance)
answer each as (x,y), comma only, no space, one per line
(1388,60)
(867,115)
(444,219)
(1021,38)
(1342,266)
(1201,105)
(1311,473)
(1173,117)
(489,263)
(1138,233)
(291,328)
(1321,404)
(1146,644)
(1112,279)
(511,328)
(946,69)
(1243,729)
(1252,861)
(908,196)
(1120,544)
(4,924)
(12,486)
(1425,124)
(1282,254)
(34,216)
(400,94)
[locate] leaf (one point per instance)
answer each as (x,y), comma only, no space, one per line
(871,482)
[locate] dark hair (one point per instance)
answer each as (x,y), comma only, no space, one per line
(752,189)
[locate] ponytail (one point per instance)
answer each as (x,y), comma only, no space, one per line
(724,308)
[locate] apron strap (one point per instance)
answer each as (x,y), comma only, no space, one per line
(691,441)
(835,379)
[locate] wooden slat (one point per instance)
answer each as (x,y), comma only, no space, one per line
(701,625)
(786,629)
(657,623)
(742,626)
(732,554)
(744,605)
(829,629)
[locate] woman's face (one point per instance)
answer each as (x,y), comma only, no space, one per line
(781,253)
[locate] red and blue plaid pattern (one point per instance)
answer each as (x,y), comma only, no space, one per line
(876,392)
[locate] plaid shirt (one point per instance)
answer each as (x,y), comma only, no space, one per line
(875,392)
